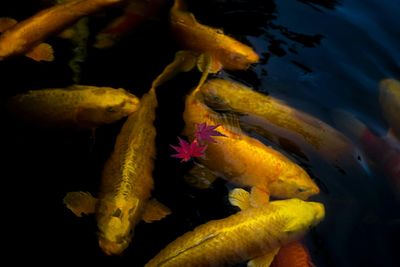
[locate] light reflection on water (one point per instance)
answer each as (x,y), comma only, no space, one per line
(317,56)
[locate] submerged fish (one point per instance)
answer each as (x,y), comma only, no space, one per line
(135,13)
(252,234)
(274,119)
(389,99)
(246,161)
(216,50)
(293,254)
(127,182)
(25,36)
(74,106)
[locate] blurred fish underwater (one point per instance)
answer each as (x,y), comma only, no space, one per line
(317,57)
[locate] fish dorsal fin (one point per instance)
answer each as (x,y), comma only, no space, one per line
(80,202)
(154,211)
(240,198)
(41,52)
(200,176)
(259,197)
(263,260)
(7,23)
(184,61)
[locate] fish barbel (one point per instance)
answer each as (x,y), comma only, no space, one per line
(26,35)
(251,234)
(246,161)
(75,106)
(127,182)
(270,116)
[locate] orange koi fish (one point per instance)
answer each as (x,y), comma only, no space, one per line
(246,161)
(216,50)
(293,254)
(252,234)
(26,36)
(135,13)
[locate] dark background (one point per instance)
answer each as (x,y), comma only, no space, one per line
(316,55)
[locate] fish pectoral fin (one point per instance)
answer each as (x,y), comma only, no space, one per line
(184,61)
(154,211)
(230,121)
(80,202)
(200,177)
(41,52)
(207,64)
(240,198)
(264,260)
(259,197)
(6,23)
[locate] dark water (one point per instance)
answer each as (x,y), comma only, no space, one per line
(316,55)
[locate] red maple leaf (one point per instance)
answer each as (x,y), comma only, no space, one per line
(186,151)
(204,132)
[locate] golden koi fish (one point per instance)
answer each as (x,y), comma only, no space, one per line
(25,37)
(246,161)
(272,117)
(77,105)
(216,49)
(253,234)
(127,182)
(293,254)
(389,99)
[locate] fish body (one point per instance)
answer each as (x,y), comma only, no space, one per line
(192,35)
(135,13)
(27,34)
(77,105)
(293,254)
(246,161)
(273,118)
(243,236)
(389,99)
(127,178)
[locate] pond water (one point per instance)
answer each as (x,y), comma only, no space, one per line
(318,56)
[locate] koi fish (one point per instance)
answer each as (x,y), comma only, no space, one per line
(246,161)
(216,50)
(135,13)
(272,118)
(75,106)
(383,153)
(127,182)
(389,98)
(293,254)
(26,36)
(253,234)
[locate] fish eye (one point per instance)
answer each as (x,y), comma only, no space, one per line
(117,213)
(111,109)
(301,190)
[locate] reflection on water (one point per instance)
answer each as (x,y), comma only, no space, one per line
(317,56)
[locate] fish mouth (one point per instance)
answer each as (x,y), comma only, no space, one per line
(111,247)
(319,212)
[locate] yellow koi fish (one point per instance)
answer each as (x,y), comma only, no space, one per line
(74,106)
(273,118)
(246,161)
(216,50)
(389,99)
(127,182)
(253,234)
(26,36)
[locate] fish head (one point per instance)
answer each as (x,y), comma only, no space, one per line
(299,215)
(293,183)
(108,106)
(116,221)
(237,56)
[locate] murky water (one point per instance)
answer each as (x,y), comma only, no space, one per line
(318,56)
